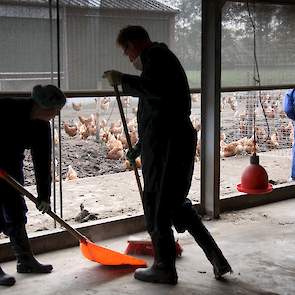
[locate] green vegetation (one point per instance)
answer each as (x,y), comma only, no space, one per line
(244,77)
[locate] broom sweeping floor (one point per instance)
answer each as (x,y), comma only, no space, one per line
(259,244)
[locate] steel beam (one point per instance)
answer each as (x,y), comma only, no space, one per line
(210,106)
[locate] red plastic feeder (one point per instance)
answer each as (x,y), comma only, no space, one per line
(254,179)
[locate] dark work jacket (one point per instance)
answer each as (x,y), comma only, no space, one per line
(19,132)
(164,127)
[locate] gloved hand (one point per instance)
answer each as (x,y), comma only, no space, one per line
(43,206)
(114,77)
(133,153)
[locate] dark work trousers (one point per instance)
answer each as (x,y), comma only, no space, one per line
(13,208)
(167,170)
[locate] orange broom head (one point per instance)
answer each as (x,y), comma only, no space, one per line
(106,256)
(145,247)
(2,173)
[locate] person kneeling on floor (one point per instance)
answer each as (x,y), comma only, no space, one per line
(27,126)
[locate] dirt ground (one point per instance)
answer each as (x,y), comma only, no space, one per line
(87,157)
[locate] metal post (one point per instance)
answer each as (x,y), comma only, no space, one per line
(97,118)
(210,106)
(59,115)
(52,121)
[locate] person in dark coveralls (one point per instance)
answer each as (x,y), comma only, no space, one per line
(25,125)
(167,145)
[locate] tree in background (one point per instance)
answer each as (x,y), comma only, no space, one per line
(275,35)
(187,32)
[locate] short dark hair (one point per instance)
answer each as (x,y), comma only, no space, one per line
(132,33)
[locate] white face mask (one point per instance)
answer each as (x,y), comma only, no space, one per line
(137,63)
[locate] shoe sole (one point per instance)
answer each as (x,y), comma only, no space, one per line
(218,275)
(156,281)
(28,270)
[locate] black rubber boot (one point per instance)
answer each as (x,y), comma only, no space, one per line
(220,265)
(157,273)
(5,279)
(210,248)
(163,270)
(26,262)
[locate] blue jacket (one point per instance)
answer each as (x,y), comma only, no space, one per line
(289,104)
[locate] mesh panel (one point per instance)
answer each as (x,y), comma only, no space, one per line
(275,35)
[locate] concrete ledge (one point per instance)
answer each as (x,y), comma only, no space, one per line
(59,239)
(238,201)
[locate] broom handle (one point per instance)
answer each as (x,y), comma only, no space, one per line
(128,138)
(16,185)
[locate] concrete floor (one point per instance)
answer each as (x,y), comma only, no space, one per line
(259,243)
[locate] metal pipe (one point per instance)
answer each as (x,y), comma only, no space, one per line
(53,120)
(59,114)
(98,93)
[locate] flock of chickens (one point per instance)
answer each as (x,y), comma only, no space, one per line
(112,134)
(268,112)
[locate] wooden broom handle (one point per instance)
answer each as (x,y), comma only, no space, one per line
(16,185)
(128,138)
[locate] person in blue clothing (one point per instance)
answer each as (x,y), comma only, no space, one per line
(26,125)
(289,109)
